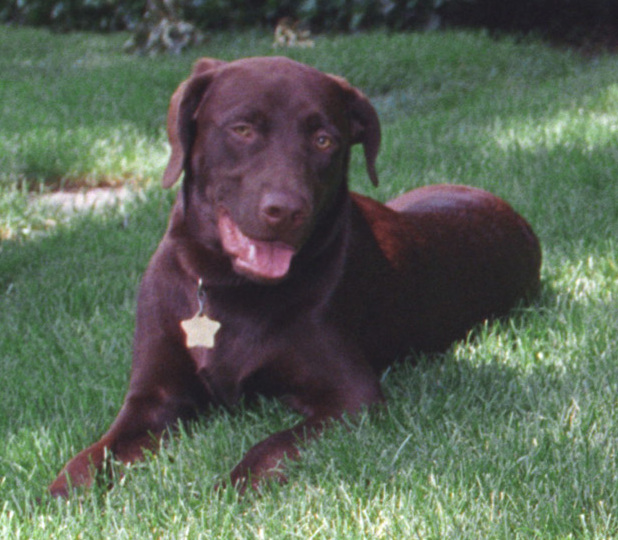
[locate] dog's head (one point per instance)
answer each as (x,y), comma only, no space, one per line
(264,144)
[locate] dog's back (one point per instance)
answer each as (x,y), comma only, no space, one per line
(461,255)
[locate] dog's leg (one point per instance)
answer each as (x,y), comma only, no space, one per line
(265,460)
(159,396)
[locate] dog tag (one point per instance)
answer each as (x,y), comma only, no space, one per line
(200,330)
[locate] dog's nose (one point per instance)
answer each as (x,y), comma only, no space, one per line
(283,211)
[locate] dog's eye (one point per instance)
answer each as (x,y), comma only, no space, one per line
(243,130)
(323,142)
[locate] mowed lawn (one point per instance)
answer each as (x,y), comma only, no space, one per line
(511,434)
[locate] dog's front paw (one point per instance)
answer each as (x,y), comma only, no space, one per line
(264,462)
(78,473)
(243,479)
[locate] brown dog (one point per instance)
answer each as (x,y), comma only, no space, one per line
(274,279)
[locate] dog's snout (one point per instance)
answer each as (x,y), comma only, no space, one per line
(280,210)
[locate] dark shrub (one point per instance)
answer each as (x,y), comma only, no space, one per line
(100,15)
(567,20)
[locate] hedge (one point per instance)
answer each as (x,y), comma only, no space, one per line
(568,19)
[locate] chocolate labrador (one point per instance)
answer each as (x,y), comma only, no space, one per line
(274,279)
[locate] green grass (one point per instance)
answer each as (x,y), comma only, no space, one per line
(512,434)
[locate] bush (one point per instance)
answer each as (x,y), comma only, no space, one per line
(215,14)
(567,20)
(65,15)
(319,14)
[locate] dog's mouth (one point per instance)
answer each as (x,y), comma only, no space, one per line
(259,260)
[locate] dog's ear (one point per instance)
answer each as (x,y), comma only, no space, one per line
(183,105)
(365,125)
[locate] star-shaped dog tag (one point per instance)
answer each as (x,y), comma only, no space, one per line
(200,331)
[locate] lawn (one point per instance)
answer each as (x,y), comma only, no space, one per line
(511,434)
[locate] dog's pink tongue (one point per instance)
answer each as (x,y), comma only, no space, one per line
(264,260)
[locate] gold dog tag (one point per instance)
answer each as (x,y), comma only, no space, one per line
(200,330)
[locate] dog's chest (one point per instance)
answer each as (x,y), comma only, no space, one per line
(231,349)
